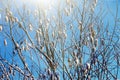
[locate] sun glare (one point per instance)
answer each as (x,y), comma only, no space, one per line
(45,4)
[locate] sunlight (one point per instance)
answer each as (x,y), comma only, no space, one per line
(45,4)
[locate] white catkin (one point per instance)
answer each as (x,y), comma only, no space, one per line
(68,1)
(77,61)
(70,9)
(38,36)
(93,5)
(71,26)
(69,60)
(89,78)
(53,35)
(70,64)
(26,42)
(40,31)
(80,25)
(93,49)
(13,20)
(10,13)
(91,39)
(66,12)
(96,1)
(96,42)
(23,48)
(59,33)
(10,69)
(88,66)
(20,24)
(30,27)
(5,42)
(41,56)
(85,71)
(64,34)
(40,21)
(36,13)
(16,19)
(6,18)
(53,18)
(1,28)
(92,9)
(17,45)
(26,48)
(102,42)
(72,5)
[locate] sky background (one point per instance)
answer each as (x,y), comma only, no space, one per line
(5,50)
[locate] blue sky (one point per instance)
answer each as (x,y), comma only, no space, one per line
(5,51)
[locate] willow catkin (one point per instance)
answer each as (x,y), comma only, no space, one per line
(76,61)
(16,19)
(37,36)
(102,42)
(88,66)
(68,1)
(88,78)
(52,77)
(74,54)
(52,44)
(26,45)
(47,22)
(23,48)
(20,24)
(94,3)
(71,26)
(36,13)
(2,76)
(10,69)
(66,11)
(30,27)
(64,34)
(80,26)
(92,9)
(96,42)
(93,33)
(93,49)
(12,19)
(84,70)
(91,39)
(70,64)
(5,42)
(53,35)
(6,19)
(9,13)
(94,60)
(48,71)
(58,77)
(1,28)
(40,22)
(69,60)
(17,45)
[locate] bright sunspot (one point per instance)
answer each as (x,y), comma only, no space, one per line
(44,4)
